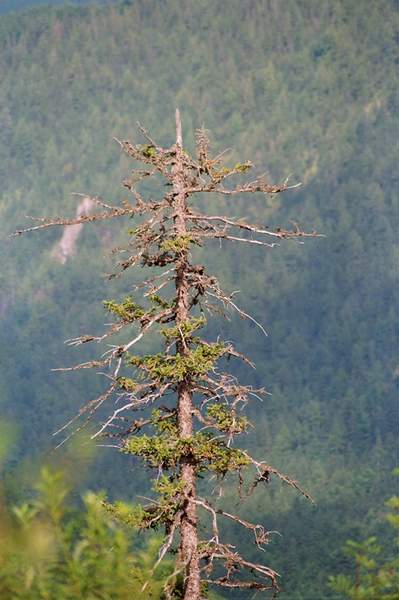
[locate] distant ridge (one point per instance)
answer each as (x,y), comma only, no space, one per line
(8,6)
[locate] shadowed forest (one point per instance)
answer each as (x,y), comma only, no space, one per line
(307,90)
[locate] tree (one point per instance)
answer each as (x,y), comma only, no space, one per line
(375,578)
(49,551)
(199,408)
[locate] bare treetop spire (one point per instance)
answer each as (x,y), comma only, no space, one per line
(179,134)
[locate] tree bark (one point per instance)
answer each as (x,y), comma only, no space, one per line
(189,535)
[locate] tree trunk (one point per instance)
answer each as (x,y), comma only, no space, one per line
(189,536)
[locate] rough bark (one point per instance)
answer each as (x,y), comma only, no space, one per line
(189,538)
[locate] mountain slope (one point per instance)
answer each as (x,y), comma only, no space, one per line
(307,89)
(8,6)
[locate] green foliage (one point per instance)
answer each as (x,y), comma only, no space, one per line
(128,310)
(166,451)
(243,167)
(13,5)
(135,516)
(157,515)
(226,419)
(164,423)
(376,566)
(127,384)
(148,151)
(176,367)
(177,244)
(161,302)
(49,551)
(187,328)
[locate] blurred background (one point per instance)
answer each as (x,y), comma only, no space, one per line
(304,89)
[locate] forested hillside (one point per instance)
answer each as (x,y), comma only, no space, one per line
(7,6)
(305,89)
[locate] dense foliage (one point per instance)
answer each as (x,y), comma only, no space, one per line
(305,88)
(13,5)
(50,550)
(376,565)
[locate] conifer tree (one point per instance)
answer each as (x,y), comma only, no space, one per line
(193,409)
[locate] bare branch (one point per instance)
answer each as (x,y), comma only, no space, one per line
(56,221)
(265,470)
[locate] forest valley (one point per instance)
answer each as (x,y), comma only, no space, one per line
(308,92)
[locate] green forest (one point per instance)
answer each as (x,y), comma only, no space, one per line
(307,91)
(8,6)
